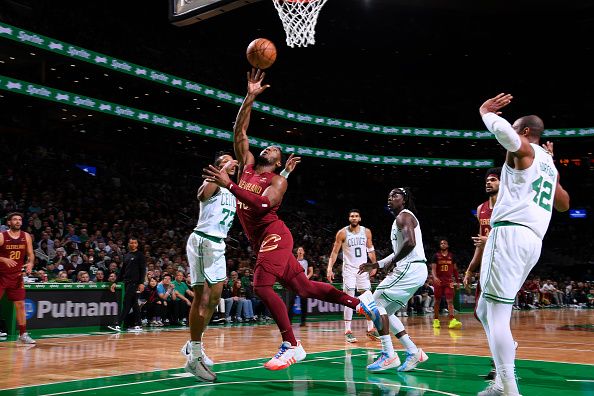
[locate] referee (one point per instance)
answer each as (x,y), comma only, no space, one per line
(132,274)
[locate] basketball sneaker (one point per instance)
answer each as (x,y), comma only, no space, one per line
(195,365)
(286,356)
(384,362)
(413,360)
(187,349)
(373,335)
(135,329)
(3,333)
(368,308)
(349,337)
(494,389)
(455,324)
(436,324)
(25,339)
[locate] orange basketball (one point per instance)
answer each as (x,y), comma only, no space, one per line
(261,53)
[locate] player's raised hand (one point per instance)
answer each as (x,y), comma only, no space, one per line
(549,147)
(215,175)
(367,267)
(255,78)
(495,104)
(479,241)
(291,163)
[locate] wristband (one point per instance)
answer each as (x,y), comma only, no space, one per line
(284,173)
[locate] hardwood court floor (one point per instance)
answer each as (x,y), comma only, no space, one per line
(556,356)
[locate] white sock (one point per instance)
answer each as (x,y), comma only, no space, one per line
(370,325)
(408,344)
(348,313)
(387,345)
(195,349)
(347,324)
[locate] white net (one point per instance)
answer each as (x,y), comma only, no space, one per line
(299,19)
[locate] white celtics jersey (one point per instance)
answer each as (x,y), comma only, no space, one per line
(354,247)
(418,253)
(526,196)
(217,214)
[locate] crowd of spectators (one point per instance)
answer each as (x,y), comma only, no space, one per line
(80,225)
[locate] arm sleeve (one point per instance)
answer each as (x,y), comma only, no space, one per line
(386,260)
(503,131)
(259,203)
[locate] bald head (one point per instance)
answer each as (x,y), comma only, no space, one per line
(533,123)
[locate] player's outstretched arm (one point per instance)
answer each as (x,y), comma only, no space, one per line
(505,134)
(210,188)
(241,144)
(340,237)
(260,204)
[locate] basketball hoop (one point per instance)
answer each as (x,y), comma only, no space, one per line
(299,19)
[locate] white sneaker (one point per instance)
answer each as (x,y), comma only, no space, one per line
(413,360)
(187,350)
(3,334)
(135,329)
(115,328)
(384,362)
(25,339)
(195,365)
(286,356)
(404,314)
(494,389)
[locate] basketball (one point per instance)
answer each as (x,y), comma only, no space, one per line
(261,53)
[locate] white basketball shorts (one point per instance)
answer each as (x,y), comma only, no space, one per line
(510,254)
(206,258)
(399,286)
(353,281)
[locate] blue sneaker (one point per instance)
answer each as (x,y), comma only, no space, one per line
(368,308)
(413,360)
(384,362)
